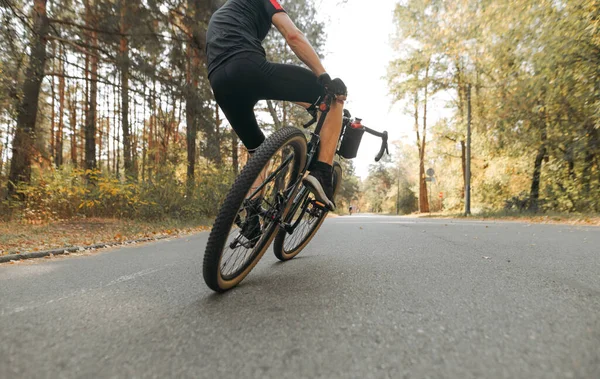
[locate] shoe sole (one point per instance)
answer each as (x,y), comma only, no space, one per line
(313,184)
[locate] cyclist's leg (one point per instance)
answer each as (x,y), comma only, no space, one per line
(299,85)
(241,114)
(249,76)
(237,100)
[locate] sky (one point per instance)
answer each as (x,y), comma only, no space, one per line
(358,50)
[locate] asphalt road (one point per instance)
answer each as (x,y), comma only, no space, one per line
(370,297)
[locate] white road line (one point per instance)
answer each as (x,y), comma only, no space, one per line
(121,279)
(126,278)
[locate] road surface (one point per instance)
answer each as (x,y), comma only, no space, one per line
(370,297)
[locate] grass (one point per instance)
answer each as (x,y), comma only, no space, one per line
(18,237)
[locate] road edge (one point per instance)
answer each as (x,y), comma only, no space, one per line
(73,249)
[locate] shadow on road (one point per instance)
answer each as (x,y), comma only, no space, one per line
(274,289)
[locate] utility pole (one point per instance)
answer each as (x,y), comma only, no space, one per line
(398,193)
(468,163)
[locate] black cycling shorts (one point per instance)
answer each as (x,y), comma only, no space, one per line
(244,79)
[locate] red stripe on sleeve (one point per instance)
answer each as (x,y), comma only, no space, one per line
(276,5)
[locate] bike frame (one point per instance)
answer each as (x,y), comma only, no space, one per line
(313,148)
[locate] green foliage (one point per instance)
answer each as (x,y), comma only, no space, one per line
(533,67)
(65,193)
(407,199)
(388,189)
(349,192)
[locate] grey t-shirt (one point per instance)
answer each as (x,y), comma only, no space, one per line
(239,25)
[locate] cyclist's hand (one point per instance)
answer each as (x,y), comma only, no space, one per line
(335,86)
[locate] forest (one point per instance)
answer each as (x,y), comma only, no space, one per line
(106,109)
(525,75)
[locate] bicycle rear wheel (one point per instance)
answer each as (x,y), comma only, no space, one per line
(309,215)
(248,219)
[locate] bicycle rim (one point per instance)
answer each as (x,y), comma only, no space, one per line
(311,215)
(233,248)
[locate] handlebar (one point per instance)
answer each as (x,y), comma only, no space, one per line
(347,117)
(384,145)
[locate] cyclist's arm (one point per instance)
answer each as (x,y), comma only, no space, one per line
(298,42)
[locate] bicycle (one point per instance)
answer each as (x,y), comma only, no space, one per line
(280,208)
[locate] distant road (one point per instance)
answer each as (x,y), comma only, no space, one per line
(370,297)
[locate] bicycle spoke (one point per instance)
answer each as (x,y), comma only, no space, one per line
(304,227)
(239,248)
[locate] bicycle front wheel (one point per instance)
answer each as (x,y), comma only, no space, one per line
(248,219)
(308,218)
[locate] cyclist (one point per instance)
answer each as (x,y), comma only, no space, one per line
(240,76)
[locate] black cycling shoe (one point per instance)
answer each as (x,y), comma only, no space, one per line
(251,228)
(320,183)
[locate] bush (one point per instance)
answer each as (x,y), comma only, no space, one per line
(69,192)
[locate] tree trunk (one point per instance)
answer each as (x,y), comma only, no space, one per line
(423,204)
(58,145)
(192,81)
(274,115)
(461,90)
(217,152)
(534,193)
(118,139)
(1,156)
(424,143)
(92,100)
(144,135)
(592,148)
(134,140)
(463,159)
(100,139)
(115,129)
(23,142)
(423,198)
(234,153)
(107,104)
(73,125)
(124,65)
(191,133)
(52,104)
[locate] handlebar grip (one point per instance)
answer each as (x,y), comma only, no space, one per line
(384,146)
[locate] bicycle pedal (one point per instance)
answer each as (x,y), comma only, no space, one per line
(320,205)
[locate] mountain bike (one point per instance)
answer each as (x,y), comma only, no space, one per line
(280,208)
